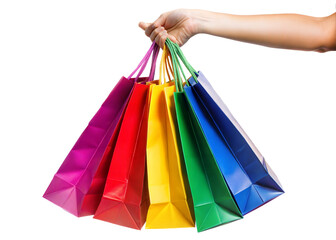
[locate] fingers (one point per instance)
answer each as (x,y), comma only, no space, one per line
(156,31)
(158,35)
(160,38)
(149,30)
(143,25)
(156,24)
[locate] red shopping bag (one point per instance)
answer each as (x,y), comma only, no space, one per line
(125,200)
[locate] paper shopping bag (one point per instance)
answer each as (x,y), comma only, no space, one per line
(248,176)
(170,203)
(125,198)
(95,192)
(92,198)
(212,199)
(170,207)
(72,182)
(237,156)
(213,202)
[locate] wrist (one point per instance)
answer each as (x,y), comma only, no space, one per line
(202,19)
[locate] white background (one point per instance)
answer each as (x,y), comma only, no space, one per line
(60,59)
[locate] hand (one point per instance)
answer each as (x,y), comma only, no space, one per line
(178,25)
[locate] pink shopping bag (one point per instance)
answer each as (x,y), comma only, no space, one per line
(71,183)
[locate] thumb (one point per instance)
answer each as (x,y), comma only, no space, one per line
(143,25)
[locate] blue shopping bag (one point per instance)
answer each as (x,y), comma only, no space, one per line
(250,179)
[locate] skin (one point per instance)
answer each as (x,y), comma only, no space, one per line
(288,31)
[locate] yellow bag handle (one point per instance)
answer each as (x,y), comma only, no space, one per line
(162,68)
(165,66)
(168,63)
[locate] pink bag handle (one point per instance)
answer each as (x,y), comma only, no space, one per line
(153,49)
(146,57)
(155,56)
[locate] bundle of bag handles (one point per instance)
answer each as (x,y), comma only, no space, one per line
(153,50)
(165,66)
(176,54)
(169,65)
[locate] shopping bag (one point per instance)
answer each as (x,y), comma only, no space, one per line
(213,202)
(92,198)
(70,185)
(125,198)
(95,192)
(170,200)
(249,177)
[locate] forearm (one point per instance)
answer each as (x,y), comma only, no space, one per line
(290,31)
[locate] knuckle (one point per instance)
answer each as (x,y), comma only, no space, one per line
(157,31)
(163,15)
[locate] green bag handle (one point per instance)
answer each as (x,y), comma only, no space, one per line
(185,62)
(179,52)
(176,66)
(175,50)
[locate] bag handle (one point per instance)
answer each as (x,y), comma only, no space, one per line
(154,49)
(162,66)
(168,63)
(176,69)
(153,66)
(177,54)
(164,63)
(142,61)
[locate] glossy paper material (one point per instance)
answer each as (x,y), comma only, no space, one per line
(246,172)
(93,196)
(170,206)
(212,199)
(71,187)
(73,179)
(125,199)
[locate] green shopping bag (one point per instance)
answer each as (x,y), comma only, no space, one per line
(213,202)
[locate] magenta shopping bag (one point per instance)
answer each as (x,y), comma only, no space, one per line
(73,179)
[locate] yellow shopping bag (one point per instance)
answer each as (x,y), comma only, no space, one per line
(169,193)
